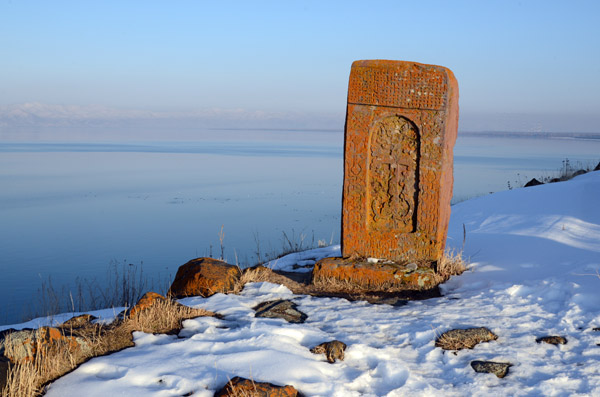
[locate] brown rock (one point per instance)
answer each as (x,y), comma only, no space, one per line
(149,299)
(457,339)
(204,277)
(490,367)
(401,125)
(373,276)
(552,340)
(333,350)
(245,387)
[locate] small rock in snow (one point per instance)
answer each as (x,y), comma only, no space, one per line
(490,367)
(553,340)
(245,387)
(457,339)
(280,308)
(333,350)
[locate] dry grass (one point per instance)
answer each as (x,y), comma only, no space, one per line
(451,264)
(27,378)
(164,316)
(252,275)
(51,361)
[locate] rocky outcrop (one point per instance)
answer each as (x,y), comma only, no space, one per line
(281,308)
(245,387)
(204,277)
(457,339)
(333,350)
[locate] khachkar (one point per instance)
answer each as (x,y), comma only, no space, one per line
(401,125)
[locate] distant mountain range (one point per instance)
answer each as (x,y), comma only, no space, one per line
(40,121)
(48,115)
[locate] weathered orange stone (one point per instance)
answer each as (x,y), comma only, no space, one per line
(204,277)
(401,125)
(146,301)
(373,276)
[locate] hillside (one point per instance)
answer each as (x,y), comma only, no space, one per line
(534,262)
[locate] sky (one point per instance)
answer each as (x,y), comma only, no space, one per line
(536,60)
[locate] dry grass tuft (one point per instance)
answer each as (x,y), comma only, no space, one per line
(255,274)
(164,316)
(451,264)
(52,361)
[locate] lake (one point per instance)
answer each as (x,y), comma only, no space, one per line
(72,210)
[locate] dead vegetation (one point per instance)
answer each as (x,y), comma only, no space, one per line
(451,264)
(53,360)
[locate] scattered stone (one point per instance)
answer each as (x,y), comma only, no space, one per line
(490,367)
(204,277)
(280,308)
(245,387)
(596,329)
(78,321)
(554,180)
(402,119)
(333,350)
(372,276)
(579,172)
(149,299)
(553,340)
(597,167)
(533,182)
(457,339)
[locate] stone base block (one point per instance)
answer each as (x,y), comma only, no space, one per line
(381,276)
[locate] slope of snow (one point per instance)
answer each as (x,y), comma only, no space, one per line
(535,254)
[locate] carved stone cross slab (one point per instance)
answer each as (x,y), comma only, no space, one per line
(401,125)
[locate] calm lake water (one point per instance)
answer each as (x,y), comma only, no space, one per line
(69,210)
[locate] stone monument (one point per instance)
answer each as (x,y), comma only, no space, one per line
(401,125)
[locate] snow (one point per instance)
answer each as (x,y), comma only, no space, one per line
(535,254)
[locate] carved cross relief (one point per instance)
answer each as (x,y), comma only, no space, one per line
(393,175)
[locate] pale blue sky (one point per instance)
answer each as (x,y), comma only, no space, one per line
(539,57)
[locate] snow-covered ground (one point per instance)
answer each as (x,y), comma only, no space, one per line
(535,254)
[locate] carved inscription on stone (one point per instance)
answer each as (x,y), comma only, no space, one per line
(393,175)
(401,124)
